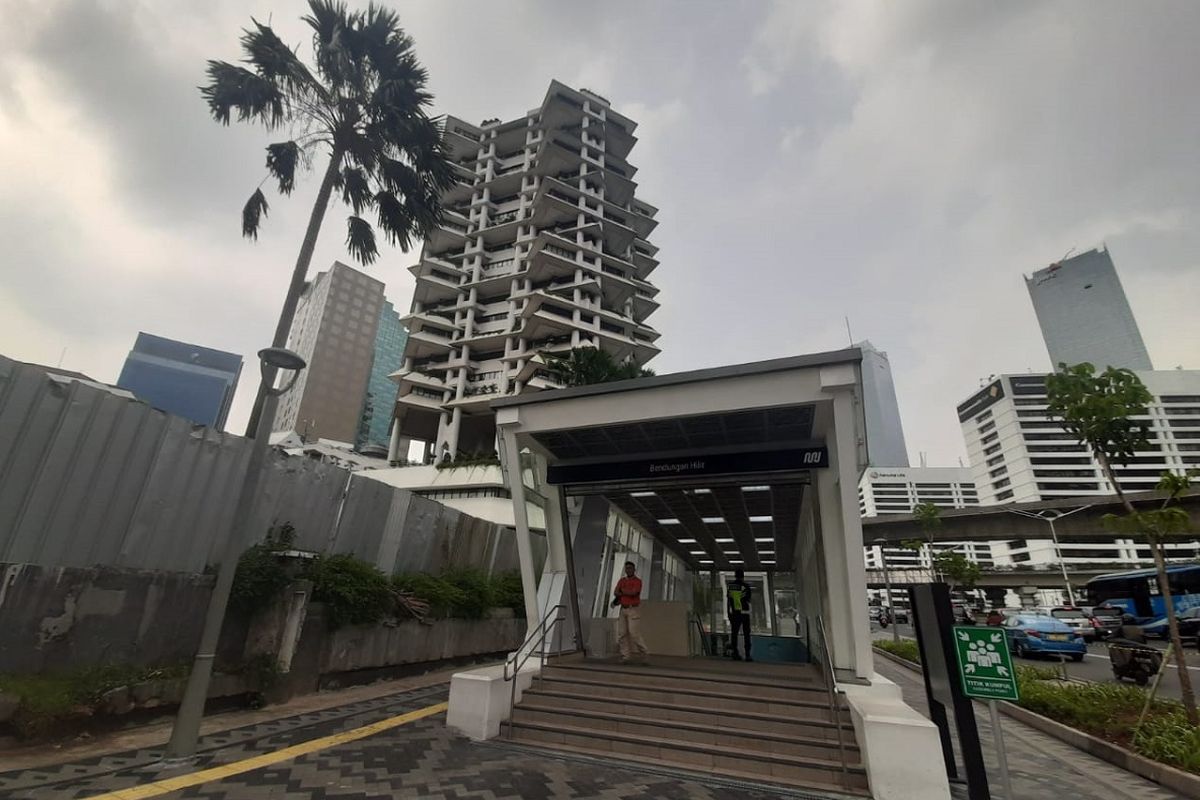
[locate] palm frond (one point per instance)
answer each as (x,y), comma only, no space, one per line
(360,240)
(332,25)
(356,190)
(275,61)
(282,158)
(253,96)
(252,214)
(394,220)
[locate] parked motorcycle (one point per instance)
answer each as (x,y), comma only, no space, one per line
(1133,660)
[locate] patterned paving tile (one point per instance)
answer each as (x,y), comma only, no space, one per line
(1040,766)
(425,760)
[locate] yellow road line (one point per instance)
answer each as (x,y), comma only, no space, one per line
(267,759)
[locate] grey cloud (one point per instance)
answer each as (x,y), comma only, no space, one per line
(947,148)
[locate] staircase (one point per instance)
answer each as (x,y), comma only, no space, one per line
(765,723)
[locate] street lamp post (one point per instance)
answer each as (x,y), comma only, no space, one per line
(191,708)
(1049,516)
(887,583)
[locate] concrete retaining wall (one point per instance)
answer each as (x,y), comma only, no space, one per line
(369,647)
(57,618)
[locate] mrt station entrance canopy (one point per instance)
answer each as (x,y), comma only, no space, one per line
(752,466)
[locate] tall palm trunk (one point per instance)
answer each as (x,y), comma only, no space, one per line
(1164,589)
(296,287)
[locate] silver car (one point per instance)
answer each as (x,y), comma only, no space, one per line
(1079,622)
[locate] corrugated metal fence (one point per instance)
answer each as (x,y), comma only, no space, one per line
(90,477)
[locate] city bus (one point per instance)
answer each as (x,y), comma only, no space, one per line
(1137,590)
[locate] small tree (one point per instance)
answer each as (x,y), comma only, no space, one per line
(1098,410)
(929,518)
(962,572)
(584,366)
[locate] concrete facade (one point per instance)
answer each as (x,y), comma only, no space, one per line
(543,248)
(335,330)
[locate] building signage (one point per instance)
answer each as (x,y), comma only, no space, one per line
(691,466)
(980,401)
(984,665)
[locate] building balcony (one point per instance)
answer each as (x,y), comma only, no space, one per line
(422,398)
(451,232)
(464,170)
(461,191)
(643,258)
(427,342)
(418,378)
(422,320)
(460,136)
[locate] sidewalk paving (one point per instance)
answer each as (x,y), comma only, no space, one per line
(1040,766)
(424,759)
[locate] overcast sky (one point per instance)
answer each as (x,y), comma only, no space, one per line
(902,164)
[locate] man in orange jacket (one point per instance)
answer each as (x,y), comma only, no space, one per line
(628,595)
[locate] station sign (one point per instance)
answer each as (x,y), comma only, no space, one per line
(800,458)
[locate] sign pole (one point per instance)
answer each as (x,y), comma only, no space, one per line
(1005,782)
(986,670)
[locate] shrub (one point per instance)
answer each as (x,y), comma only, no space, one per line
(441,595)
(261,575)
(476,595)
(491,459)
(905,648)
(464,593)
(353,591)
(508,592)
(1110,711)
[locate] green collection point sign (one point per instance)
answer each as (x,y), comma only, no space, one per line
(984,663)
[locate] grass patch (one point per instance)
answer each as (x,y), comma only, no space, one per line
(905,648)
(47,700)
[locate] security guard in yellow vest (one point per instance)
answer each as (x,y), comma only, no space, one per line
(737,599)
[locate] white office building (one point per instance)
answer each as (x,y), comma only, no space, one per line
(898,490)
(1019,454)
(543,249)
(1084,314)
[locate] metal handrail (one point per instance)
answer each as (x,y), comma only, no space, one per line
(705,645)
(536,638)
(831,688)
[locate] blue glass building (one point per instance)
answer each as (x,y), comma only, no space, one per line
(183,379)
(380,401)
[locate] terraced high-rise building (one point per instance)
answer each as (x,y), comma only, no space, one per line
(543,248)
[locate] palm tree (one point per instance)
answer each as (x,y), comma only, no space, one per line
(363,108)
(587,365)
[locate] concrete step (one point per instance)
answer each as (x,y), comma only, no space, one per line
(810,705)
(651,727)
(736,762)
(804,686)
(814,723)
